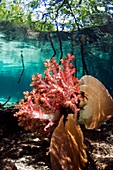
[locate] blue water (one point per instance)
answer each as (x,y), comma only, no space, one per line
(11,68)
(34,55)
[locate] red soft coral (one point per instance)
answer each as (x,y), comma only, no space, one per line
(58,89)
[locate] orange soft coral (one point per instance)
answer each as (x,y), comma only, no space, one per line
(57,90)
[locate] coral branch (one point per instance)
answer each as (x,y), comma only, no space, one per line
(57,90)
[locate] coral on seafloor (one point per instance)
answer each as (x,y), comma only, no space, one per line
(60,101)
(57,90)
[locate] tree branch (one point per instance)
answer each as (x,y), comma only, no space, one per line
(60,42)
(1,105)
(22,60)
(52,44)
(80,2)
(73,15)
(83,60)
(82,45)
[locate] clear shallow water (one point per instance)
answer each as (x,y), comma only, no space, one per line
(99,63)
(34,54)
(11,68)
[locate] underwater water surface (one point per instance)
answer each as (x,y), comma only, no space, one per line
(19,60)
